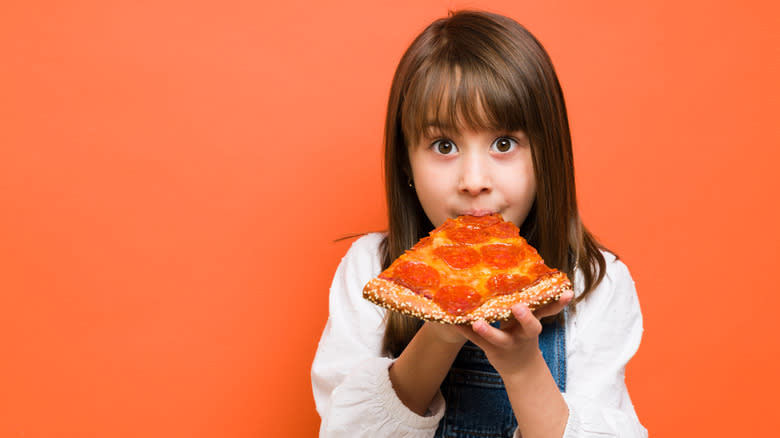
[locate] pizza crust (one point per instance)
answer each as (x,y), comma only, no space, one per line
(400,299)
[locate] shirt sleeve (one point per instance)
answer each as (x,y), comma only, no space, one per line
(605,333)
(350,380)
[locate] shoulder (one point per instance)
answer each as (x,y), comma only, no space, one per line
(616,270)
(363,254)
(609,317)
(367,243)
(616,290)
(361,263)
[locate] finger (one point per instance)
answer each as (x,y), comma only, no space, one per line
(468,332)
(566,297)
(472,335)
(465,331)
(527,320)
(555,307)
(492,335)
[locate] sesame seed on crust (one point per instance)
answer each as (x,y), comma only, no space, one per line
(400,299)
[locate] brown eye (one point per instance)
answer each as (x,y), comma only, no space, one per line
(444,147)
(504,144)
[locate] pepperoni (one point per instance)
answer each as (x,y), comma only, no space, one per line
(501,255)
(539,269)
(425,241)
(458,256)
(467,235)
(503,229)
(415,276)
(480,221)
(458,299)
(503,284)
(449,224)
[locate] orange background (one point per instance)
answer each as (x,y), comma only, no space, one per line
(173,175)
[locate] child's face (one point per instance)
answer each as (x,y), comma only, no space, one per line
(474,172)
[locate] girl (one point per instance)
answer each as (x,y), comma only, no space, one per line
(476,124)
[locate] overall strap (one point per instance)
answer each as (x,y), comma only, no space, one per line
(552,342)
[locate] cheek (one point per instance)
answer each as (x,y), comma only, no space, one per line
(432,184)
(430,176)
(432,181)
(529,176)
(529,186)
(519,189)
(432,188)
(522,191)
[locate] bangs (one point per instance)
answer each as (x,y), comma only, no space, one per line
(458,95)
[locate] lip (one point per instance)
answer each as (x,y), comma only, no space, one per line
(477,212)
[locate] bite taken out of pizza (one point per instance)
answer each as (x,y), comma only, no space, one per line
(469,268)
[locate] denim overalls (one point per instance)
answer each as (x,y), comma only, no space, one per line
(477,404)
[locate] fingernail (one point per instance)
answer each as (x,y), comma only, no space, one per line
(520,311)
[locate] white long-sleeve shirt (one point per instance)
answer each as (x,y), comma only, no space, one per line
(351,384)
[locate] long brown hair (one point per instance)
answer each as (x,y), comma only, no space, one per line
(484,70)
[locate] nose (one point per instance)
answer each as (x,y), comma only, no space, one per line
(475,177)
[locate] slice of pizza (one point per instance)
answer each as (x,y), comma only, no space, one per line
(469,268)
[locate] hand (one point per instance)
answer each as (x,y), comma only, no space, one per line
(446,333)
(510,348)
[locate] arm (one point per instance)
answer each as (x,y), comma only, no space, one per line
(423,365)
(538,405)
(350,379)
